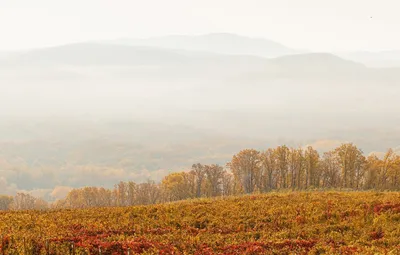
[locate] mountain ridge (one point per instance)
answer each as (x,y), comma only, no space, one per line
(90,53)
(222,43)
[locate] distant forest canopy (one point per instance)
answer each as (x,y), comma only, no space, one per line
(249,171)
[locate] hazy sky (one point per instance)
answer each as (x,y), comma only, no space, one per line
(326,25)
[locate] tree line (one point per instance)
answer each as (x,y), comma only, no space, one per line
(249,171)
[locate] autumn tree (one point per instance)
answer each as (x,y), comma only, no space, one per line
(296,162)
(75,199)
(268,170)
(131,192)
(89,195)
(121,193)
(351,161)
(389,170)
(228,184)
(104,197)
(246,168)
(372,172)
(148,193)
(5,202)
(199,173)
(395,173)
(40,204)
(176,187)
(214,174)
(330,170)
(24,201)
(282,164)
(312,173)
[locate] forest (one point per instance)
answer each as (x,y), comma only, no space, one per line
(250,171)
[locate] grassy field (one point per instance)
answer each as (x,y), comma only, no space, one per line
(275,223)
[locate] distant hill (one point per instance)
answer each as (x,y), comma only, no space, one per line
(231,44)
(113,55)
(95,54)
(221,43)
(382,59)
(99,61)
(317,62)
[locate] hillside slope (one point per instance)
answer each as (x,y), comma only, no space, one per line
(291,223)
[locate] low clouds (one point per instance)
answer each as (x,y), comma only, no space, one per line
(381,154)
(60,192)
(64,179)
(145,175)
(325,145)
(92,175)
(7,188)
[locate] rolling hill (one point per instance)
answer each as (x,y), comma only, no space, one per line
(380,59)
(220,43)
(113,55)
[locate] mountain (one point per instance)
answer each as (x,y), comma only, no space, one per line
(221,43)
(116,62)
(317,62)
(143,64)
(382,59)
(95,54)
(231,44)
(113,55)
